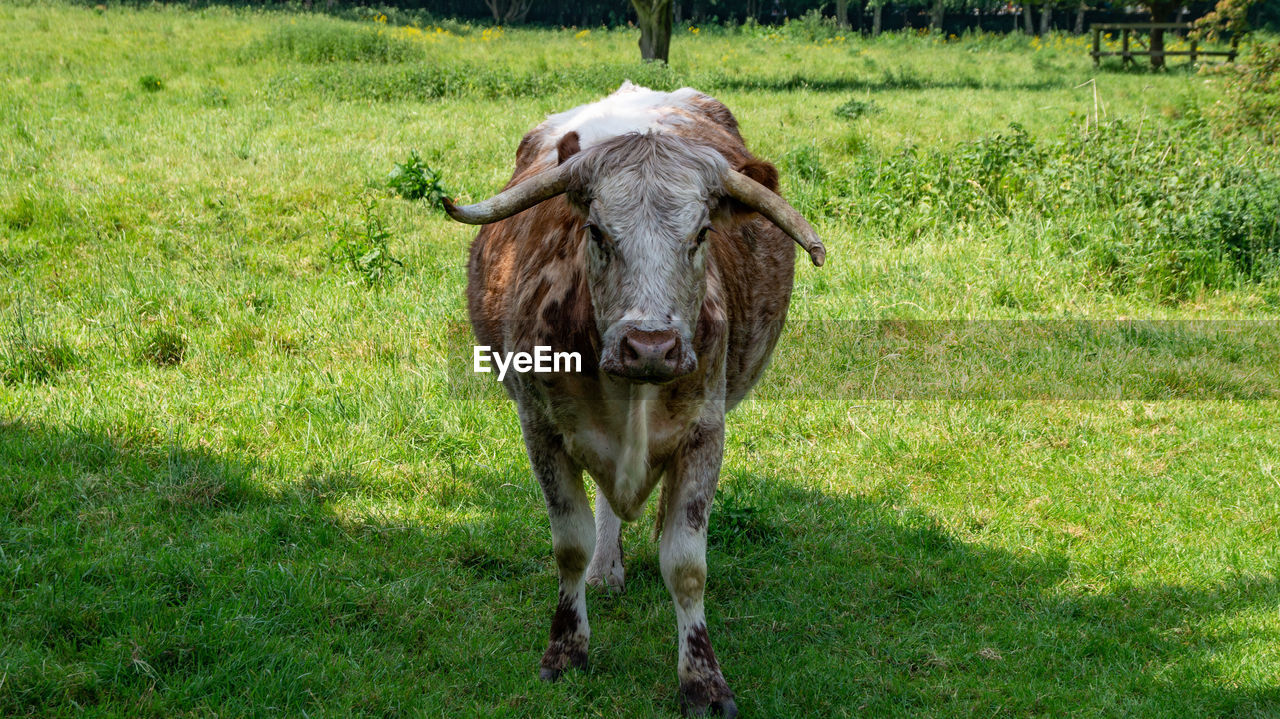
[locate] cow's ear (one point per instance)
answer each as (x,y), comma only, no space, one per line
(733,212)
(760,171)
(568,147)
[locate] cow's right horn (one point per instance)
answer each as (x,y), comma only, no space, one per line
(542,186)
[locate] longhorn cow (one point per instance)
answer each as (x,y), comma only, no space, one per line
(639,232)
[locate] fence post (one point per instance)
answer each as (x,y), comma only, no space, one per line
(1127,57)
(1097,48)
(1193,51)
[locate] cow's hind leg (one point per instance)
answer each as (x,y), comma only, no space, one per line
(572,541)
(683,555)
(606,568)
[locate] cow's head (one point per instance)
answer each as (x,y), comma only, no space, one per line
(648,203)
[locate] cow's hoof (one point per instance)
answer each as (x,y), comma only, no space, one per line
(555,663)
(690,707)
(607,574)
(610,582)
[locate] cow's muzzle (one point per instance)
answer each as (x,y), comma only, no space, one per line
(654,356)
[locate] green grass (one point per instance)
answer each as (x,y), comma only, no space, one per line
(236,476)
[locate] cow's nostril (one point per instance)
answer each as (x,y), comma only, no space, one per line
(630,353)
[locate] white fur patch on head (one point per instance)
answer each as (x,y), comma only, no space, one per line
(630,109)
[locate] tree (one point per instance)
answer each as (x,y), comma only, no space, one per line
(1161,11)
(507,12)
(1046,16)
(937,14)
(655,28)
(877,15)
(1230,16)
(842,13)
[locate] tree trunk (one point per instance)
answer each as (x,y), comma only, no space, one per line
(1080,18)
(1160,12)
(507,12)
(877,18)
(937,15)
(655,28)
(842,13)
(1046,18)
(1027,21)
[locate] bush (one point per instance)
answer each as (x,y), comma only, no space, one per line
(1253,92)
(1167,215)
(812,26)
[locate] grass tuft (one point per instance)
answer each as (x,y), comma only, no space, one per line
(162,347)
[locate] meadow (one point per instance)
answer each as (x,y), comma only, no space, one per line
(240,473)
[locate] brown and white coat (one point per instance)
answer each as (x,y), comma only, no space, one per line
(631,233)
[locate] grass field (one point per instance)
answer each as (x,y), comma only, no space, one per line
(236,476)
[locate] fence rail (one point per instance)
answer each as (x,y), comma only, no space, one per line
(1128,36)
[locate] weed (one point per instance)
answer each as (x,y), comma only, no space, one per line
(737,522)
(414,180)
(214,97)
(855,108)
(151,83)
(805,162)
(364,248)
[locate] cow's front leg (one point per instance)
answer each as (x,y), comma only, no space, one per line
(572,541)
(606,568)
(687,501)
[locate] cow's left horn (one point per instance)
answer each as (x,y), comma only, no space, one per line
(542,186)
(761,199)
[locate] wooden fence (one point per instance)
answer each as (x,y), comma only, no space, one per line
(1130,35)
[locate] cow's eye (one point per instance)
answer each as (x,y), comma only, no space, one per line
(697,242)
(596,235)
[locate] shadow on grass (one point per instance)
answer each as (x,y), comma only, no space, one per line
(148,576)
(887,81)
(416,82)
